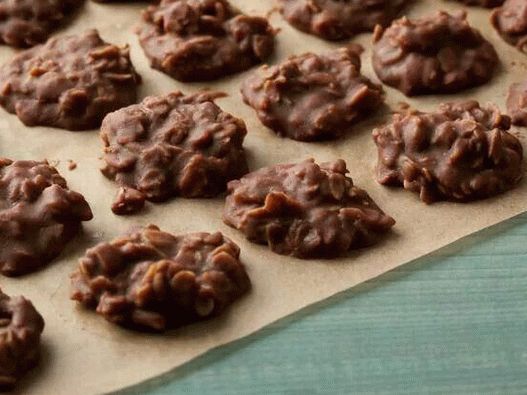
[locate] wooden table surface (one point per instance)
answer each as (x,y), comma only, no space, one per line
(454,322)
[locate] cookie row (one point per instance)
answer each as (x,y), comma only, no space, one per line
(72,82)
(461,152)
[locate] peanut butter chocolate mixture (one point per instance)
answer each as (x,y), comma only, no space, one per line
(305,210)
(39,215)
(152,280)
(461,152)
(313,97)
(20,329)
(173,145)
(339,19)
(71,82)
(25,23)
(510,20)
(482,3)
(517,103)
(199,40)
(440,53)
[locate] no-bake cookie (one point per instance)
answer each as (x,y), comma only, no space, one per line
(198,40)
(70,82)
(20,329)
(461,152)
(24,23)
(517,103)
(173,145)
(338,19)
(153,280)
(439,53)
(510,20)
(305,210)
(313,97)
(38,215)
(482,3)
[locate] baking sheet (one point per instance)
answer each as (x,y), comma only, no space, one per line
(84,353)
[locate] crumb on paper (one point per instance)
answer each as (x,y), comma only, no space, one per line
(72,165)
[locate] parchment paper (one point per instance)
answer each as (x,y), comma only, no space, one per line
(85,354)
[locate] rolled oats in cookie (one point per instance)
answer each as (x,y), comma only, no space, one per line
(20,328)
(25,23)
(71,82)
(340,19)
(482,3)
(153,280)
(313,97)
(305,210)
(439,53)
(510,20)
(517,103)
(39,215)
(172,145)
(199,40)
(461,152)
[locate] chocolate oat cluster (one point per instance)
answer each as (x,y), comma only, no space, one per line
(24,23)
(510,20)
(313,97)
(173,145)
(305,210)
(461,152)
(439,53)
(71,82)
(152,280)
(337,19)
(198,40)
(517,103)
(482,3)
(39,215)
(20,329)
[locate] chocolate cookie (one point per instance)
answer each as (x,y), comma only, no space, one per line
(38,215)
(517,103)
(510,20)
(70,82)
(305,210)
(313,97)
(199,40)
(153,280)
(482,3)
(461,152)
(337,19)
(20,329)
(439,53)
(172,145)
(24,23)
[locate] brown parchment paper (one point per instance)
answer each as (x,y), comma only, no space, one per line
(85,354)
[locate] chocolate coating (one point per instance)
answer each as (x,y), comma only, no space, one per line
(20,328)
(440,53)
(337,19)
(38,215)
(173,145)
(153,280)
(304,210)
(510,20)
(199,40)
(461,152)
(313,97)
(24,23)
(70,82)
(517,103)
(482,3)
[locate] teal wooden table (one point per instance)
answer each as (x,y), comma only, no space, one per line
(453,322)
